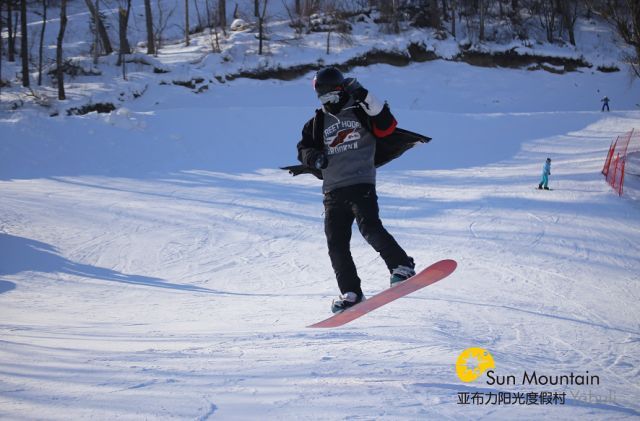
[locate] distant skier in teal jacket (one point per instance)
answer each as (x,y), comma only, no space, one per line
(546,172)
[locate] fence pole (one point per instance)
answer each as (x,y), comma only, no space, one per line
(621,178)
(612,181)
(607,162)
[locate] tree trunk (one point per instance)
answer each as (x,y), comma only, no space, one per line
(222,13)
(24,45)
(260,23)
(96,39)
(40,51)
(123,24)
(210,22)
(515,11)
(59,70)
(186,23)
(200,24)
(453,6)
(102,32)
(394,17)
(1,49)
(328,42)
(435,14)
(482,10)
(569,10)
(12,33)
(151,45)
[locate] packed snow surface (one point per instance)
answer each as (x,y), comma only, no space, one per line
(157,264)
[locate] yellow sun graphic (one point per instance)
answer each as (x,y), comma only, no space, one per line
(472,363)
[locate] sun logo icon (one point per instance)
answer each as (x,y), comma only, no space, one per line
(472,363)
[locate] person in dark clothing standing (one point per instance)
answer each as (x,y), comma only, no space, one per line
(341,142)
(605,103)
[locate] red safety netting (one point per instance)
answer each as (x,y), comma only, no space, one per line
(623,160)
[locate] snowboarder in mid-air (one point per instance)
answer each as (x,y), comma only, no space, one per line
(546,172)
(349,136)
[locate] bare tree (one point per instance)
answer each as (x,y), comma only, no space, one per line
(213,20)
(435,14)
(334,20)
(186,23)
(453,7)
(201,24)
(11,28)
(40,50)
(59,68)
(24,45)
(124,11)
(482,9)
(161,25)
(445,9)
(569,12)
(389,14)
(261,23)
(624,15)
(1,48)
(515,11)
(96,38)
(99,26)
(546,11)
(222,14)
(151,45)
(295,20)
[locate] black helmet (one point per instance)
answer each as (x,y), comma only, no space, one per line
(327,80)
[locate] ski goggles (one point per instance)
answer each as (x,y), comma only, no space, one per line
(332,97)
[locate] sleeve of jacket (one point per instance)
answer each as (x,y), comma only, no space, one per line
(307,149)
(383,123)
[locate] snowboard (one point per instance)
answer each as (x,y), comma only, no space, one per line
(428,276)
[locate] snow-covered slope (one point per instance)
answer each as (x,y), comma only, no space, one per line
(156,263)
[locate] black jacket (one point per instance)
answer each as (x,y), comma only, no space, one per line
(391,142)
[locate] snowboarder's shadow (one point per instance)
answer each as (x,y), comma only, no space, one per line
(19,254)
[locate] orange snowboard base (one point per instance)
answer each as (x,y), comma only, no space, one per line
(430,275)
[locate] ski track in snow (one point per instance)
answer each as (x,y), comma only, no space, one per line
(184,293)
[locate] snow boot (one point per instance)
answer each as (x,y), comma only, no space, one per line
(546,188)
(345,301)
(401,273)
(539,186)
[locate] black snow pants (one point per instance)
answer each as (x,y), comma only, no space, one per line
(341,207)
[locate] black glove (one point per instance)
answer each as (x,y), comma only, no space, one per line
(354,89)
(320,160)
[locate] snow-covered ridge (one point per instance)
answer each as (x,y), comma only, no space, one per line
(200,66)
